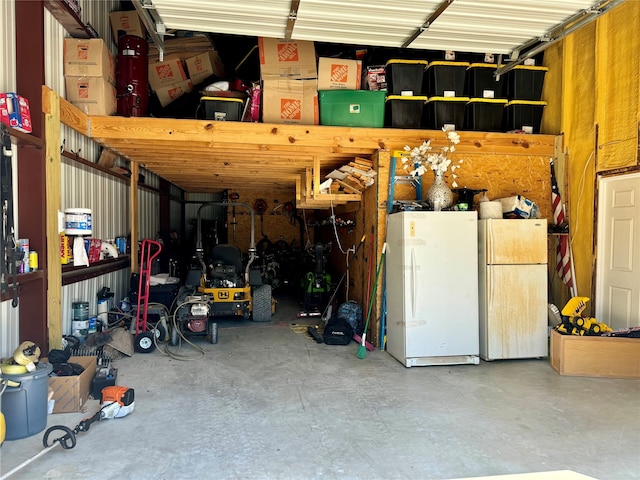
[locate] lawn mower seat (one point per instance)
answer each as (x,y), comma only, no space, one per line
(225,255)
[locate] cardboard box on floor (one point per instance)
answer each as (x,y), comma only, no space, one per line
(129,22)
(291,59)
(88,58)
(339,74)
(168,94)
(92,95)
(70,393)
(204,65)
(290,101)
(162,74)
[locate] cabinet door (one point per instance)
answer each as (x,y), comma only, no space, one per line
(516,306)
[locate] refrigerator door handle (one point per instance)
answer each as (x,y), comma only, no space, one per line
(489,245)
(413,283)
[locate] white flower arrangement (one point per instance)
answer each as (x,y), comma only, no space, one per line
(425,156)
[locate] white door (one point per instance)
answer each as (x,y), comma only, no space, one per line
(618,267)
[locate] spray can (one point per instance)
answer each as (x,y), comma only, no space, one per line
(33,260)
(23,245)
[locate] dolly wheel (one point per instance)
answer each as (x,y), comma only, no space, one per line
(160,332)
(213,332)
(144,342)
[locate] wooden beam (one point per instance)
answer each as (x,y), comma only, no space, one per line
(53,205)
(133,206)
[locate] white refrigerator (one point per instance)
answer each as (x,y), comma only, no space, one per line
(432,288)
(512,273)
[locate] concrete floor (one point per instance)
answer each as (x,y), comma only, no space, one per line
(269,403)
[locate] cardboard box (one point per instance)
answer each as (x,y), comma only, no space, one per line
(92,95)
(168,94)
(339,74)
(70,393)
(612,357)
(162,74)
(129,22)
(290,101)
(292,59)
(88,58)
(15,112)
(203,65)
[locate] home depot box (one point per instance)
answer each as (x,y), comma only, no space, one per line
(289,101)
(204,65)
(339,74)
(88,58)
(168,94)
(282,58)
(15,112)
(71,392)
(128,22)
(92,95)
(166,73)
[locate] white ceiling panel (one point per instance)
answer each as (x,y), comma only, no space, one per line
(495,26)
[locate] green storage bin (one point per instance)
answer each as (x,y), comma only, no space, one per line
(352,108)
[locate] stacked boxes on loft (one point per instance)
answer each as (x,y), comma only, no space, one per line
(485,109)
(187,62)
(89,71)
(523,86)
(342,102)
(444,85)
(289,81)
(405,93)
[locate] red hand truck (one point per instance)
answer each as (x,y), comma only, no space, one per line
(144,340)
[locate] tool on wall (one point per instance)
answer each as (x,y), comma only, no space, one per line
(116,402)
(260,207)
(10,254)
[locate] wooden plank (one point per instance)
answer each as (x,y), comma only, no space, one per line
(133,206)
(316,176)
(347,187)
(54,203)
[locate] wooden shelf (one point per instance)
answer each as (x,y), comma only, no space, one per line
(69,19)
(22,138)
(71,274)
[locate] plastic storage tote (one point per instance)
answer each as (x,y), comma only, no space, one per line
(480,81)
(484,114)
(223,109)
(524,115)
(404,111)
(441,111)
(352,108)
(25,406)
(405,77)
(525,82)
(445,79)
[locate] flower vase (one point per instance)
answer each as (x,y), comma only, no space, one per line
(439,196)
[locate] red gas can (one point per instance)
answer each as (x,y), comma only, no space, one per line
(132,76)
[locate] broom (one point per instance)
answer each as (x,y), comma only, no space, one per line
(362,348)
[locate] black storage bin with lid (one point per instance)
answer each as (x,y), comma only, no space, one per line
(444,111)
(525,82)
(222,109)
(402,111)
(480,81)
(524,115)
(484,114)
(405,77)
(445,79)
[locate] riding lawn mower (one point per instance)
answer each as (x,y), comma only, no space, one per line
(220,285)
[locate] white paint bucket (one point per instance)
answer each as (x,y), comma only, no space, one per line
(77,221)
(490,209)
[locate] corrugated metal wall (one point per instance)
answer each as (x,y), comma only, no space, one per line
(8,314)
(105,195)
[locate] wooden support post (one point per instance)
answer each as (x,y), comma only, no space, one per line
(133,205)
(53,205)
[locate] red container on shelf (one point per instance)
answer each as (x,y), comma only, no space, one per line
(132,76)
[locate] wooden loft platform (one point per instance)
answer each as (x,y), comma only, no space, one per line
(202,156)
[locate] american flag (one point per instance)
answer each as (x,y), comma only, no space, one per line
(563,250)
